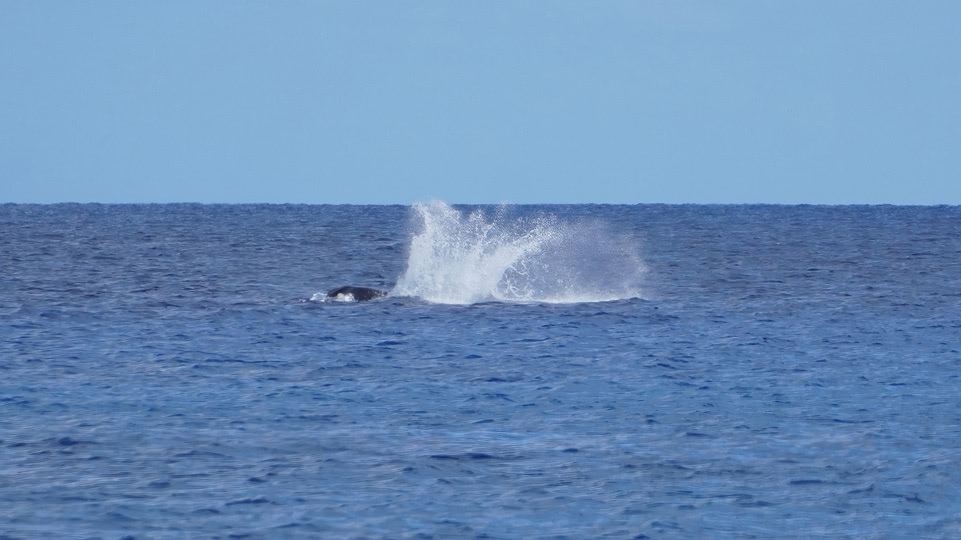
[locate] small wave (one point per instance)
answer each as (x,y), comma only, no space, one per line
(461,257)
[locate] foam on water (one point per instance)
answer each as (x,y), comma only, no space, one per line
(322,297)
(463,258)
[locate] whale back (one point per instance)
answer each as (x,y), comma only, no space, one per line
(359,294)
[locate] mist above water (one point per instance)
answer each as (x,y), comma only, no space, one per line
(459,257)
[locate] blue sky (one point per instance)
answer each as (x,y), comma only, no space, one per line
(481,102)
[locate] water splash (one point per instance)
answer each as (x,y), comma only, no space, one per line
(464,258)
(322,297)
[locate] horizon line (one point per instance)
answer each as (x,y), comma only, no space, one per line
(501,203)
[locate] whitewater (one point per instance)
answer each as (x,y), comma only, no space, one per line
(461,257)
(541,371)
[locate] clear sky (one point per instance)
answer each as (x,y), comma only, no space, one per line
(715,101)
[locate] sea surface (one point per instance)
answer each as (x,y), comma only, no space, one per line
(536,372)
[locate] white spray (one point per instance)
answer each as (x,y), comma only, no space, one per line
(460,258)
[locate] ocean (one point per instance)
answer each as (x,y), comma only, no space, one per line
(176,371)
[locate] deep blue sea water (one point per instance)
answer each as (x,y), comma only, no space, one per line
(538,372)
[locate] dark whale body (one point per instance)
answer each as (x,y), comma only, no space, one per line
(359,294)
